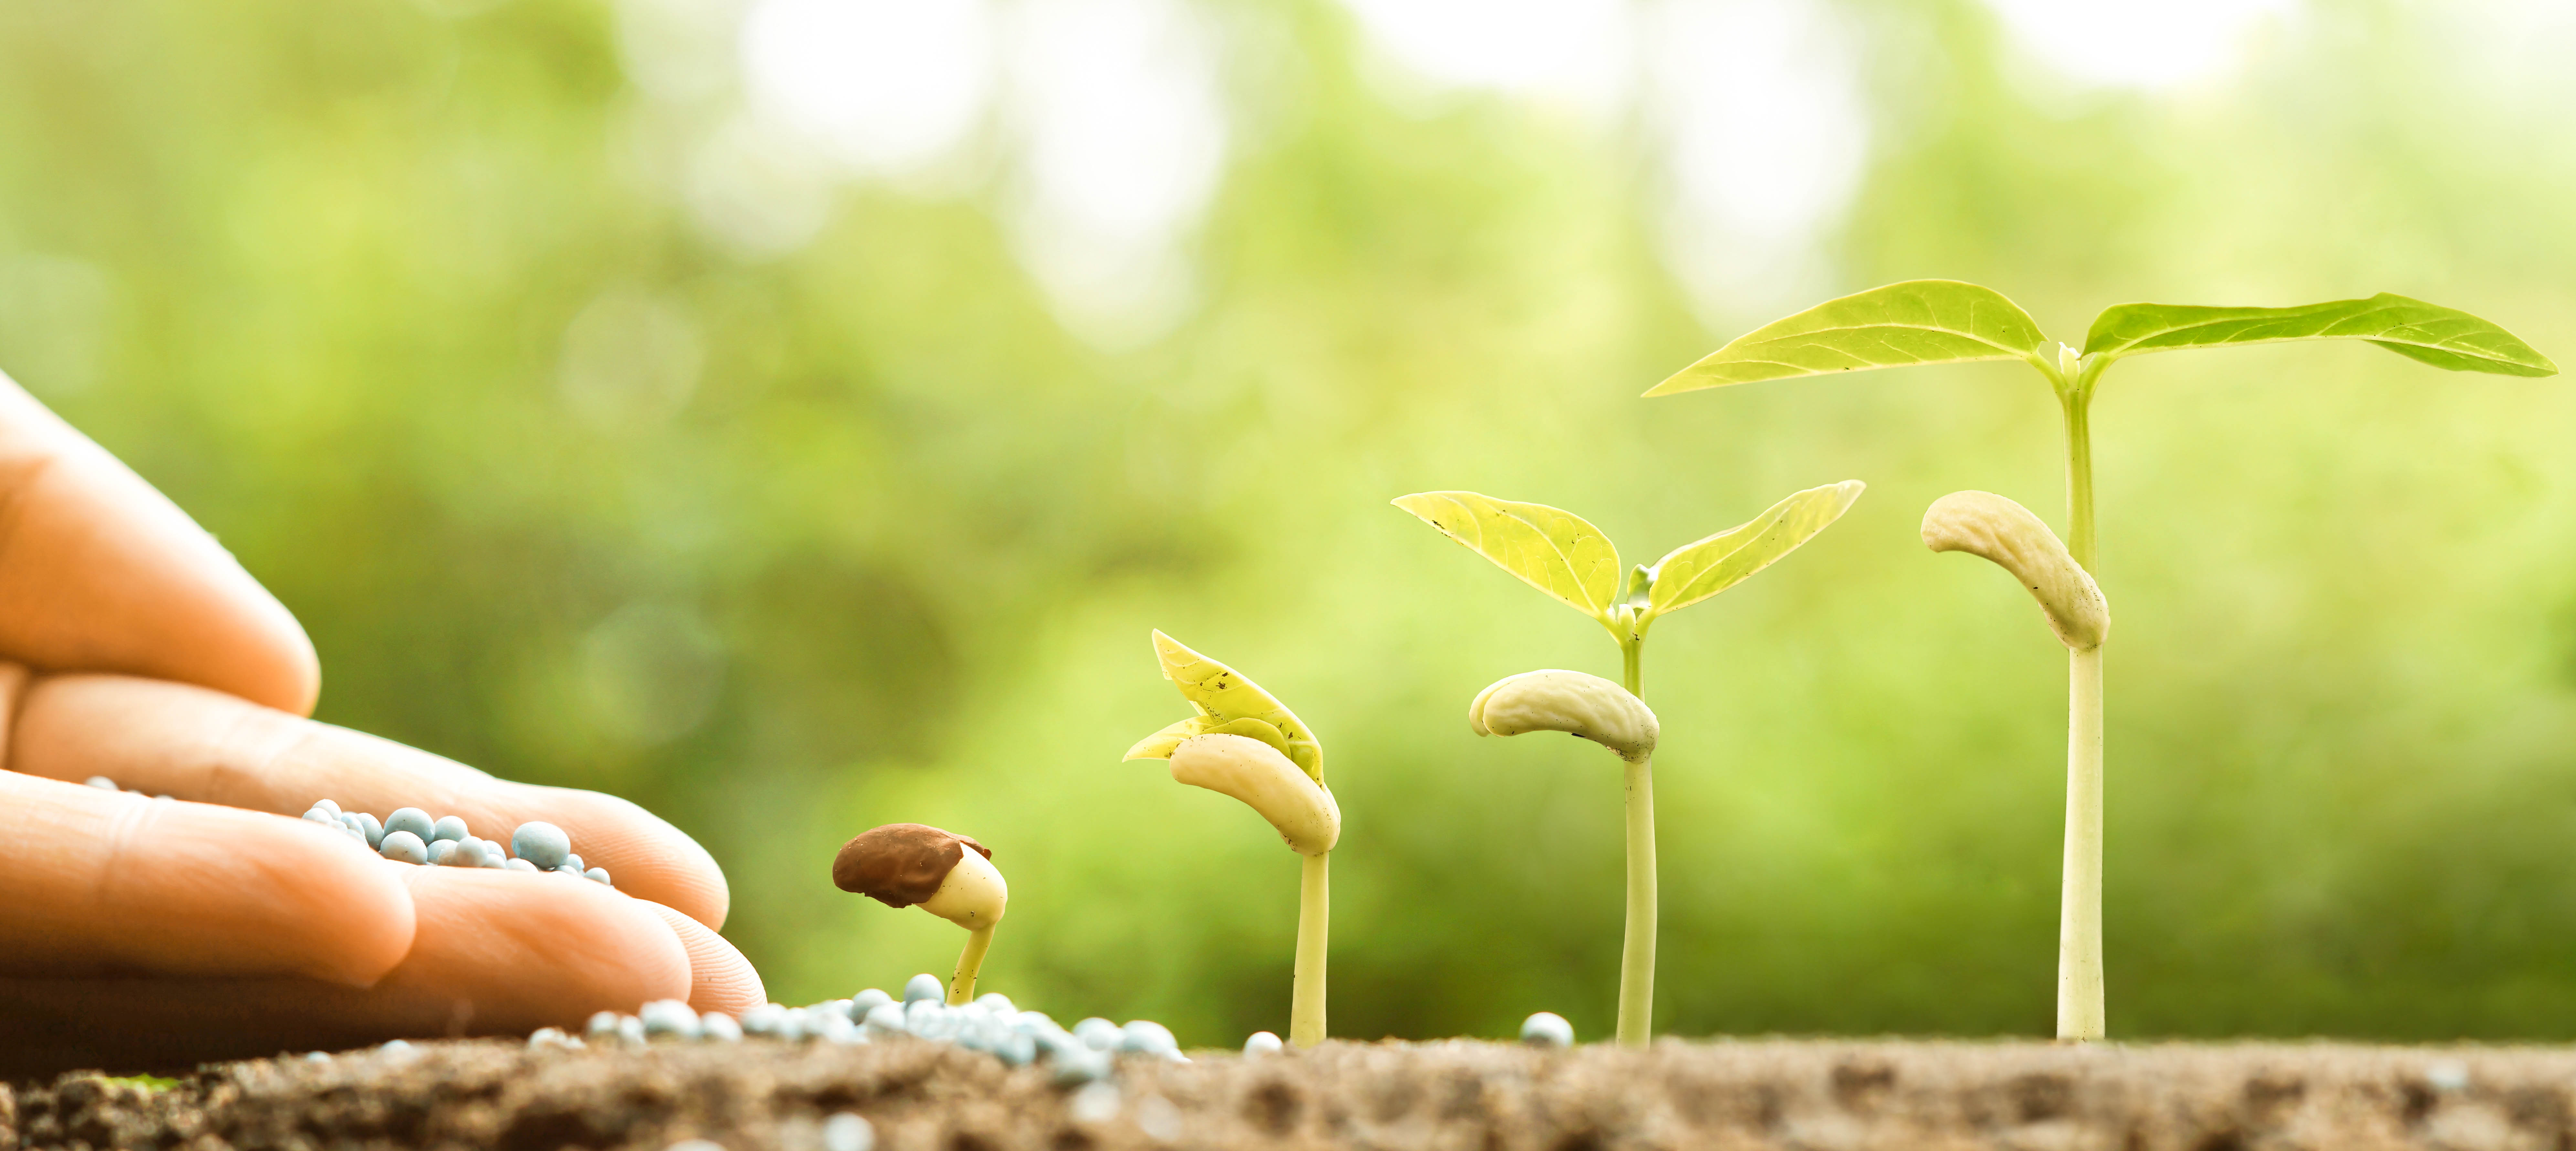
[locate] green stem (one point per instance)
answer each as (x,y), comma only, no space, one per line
(961,986)
(2075,399)
(1314,925)
(2079,917)
(1637,951)
(2079,924)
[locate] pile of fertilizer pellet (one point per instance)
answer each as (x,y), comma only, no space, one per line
(991,1024)
(409,835)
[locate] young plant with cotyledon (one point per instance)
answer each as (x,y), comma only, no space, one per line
(1559,553)
(1246,744)
(1946,321)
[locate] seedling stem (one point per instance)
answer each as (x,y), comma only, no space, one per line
(1314,926)
(1637,949)
(961,986)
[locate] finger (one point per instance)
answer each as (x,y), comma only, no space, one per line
(507,952)
(720,979)
(102,573)
(496,953)
(178,740)
(95,882)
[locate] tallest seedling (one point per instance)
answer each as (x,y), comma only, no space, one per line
(1945,321)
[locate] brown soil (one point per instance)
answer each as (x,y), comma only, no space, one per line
(1472,1096)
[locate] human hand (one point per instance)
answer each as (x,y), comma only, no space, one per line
(148,932)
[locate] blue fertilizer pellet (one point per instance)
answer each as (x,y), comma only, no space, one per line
(542,844)
(448,827)
(520,865)
(598,875)
(924,986)
(403,847)
(411,819)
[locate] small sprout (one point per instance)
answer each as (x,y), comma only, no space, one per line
(1259,1044)
(904,864)
(1586,706)
(1991,527)
(1246,744)
(1547,1029)
(404,847)
(543,845)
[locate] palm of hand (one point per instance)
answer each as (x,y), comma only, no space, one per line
(138,931)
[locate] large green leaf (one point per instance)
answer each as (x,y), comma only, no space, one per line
(1553,551)
(1916,322)
(1694,572)
(1227,703)
(2443,337)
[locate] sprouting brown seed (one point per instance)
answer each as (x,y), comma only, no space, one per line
(900,864)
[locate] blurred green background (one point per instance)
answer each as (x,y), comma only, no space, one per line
(793,416)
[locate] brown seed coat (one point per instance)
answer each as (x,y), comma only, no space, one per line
(900,864)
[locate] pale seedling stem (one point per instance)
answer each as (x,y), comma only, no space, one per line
(2080,1015)
(1314,928)
(1637,946)
(961,986)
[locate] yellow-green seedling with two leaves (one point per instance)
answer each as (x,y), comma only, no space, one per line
(1946,321)
(1559,553)
(1246,744)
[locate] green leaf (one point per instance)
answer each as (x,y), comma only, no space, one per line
(1227,704)
(2443,337)
(1916,322)
(1551,550)
(1694,572)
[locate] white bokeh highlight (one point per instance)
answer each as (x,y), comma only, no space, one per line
(1570,51)
(1118,123)
(2120,43)
(1756,110)
(885,87)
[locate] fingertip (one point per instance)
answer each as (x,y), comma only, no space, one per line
(720,979)
(523,951)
